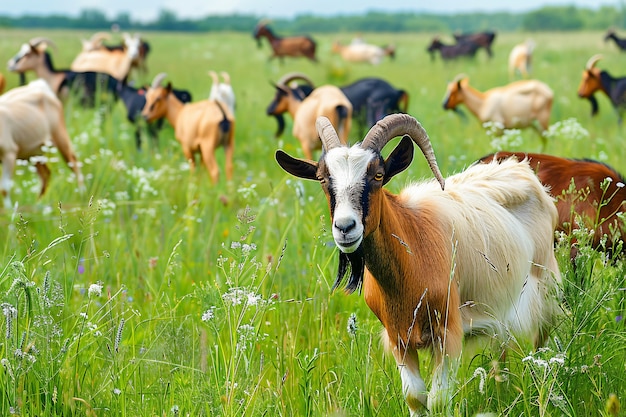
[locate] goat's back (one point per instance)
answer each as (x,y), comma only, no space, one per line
(202,120)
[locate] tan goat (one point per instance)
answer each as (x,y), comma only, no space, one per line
(520,58)
(515,105)
(30,117)
(200,127)
(363,52)
(116,63)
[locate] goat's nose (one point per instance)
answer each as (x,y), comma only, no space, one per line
(345,225)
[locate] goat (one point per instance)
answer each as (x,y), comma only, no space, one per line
(294,46)
(595,80)
(436,264)
(95,42)
(520,59)
(200,127)
(222,91)
(515,105)
(587,202)
(3,83)
(134,100)
(620,42)
(139,62)
(33,56)
(327,100)
(30,117)
(363,52)
(482,39)
(372,99)
(449,52)
(116,63)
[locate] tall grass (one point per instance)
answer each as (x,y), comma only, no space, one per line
(156,293)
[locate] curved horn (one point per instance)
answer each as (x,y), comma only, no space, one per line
(156,82)
(328,134)
(459,77)
(402,124)
(592,61)
(35,42)
(285,79)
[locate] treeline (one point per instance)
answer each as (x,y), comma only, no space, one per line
(553,18)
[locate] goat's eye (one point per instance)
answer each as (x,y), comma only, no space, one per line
(379,176)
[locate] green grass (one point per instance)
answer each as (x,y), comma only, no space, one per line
(155,293)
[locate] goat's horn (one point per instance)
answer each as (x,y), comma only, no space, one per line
(592,61)
(226,77)
(156,82)
(213,76)
(459,77)
(402,124)
(327,133)
(294,76)
(36,41)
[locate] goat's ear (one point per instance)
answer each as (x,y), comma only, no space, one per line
(300,168)
(399,159)
(458,84)
(168,87)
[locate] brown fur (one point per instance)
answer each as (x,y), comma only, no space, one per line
(294,46)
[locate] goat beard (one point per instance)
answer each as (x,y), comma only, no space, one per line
(594,104)
(355,262)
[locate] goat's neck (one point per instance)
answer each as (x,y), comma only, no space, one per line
(606,83)
(46,72)
(294,105)
(174,106)
(473,100)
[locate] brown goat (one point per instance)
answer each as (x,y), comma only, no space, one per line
(294,46)
(587,202)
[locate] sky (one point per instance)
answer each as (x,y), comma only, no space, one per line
(147,10)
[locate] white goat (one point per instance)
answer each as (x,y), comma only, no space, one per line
(30,117)
(520,59)
(305,105)
(434,264)
(222,91)
(116,63)
(359,51)
(515,105)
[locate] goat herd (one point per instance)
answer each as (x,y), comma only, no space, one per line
(497,212)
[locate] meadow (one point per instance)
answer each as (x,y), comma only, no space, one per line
(156,293)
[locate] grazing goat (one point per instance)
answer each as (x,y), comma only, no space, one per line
(294,46)
(372,99)
(32,116)
(520,59)
(587,205)
(595,80)
(200,127)
(449,52)
(482,39)
(134,100)
(476,258)
(115,62)
(222,91)
(620,42)
(327,100)
(516,105)
(363,52)
(33,56)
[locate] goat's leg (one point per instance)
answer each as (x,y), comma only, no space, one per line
(413,386)
(208,158)
(442,384)
(61,140)
(44,174)
(8,165)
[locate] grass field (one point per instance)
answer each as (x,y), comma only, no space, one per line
(154,293)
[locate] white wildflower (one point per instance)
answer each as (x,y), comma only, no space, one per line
(95,290)
(209,314)
(352,326)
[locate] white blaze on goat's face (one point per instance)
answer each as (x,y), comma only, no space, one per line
(13,61)
(347,168)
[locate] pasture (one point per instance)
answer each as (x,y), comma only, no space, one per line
(154,293)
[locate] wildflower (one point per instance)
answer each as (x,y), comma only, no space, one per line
(152,262)
(483,376)
(209,314)
(95,290)
(117,391)
(175,410)
(352,327)
(118,336)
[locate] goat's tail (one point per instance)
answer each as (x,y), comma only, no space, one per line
(225,125)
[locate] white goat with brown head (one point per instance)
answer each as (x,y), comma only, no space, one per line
(433,263)
(32,116)
(307,104)
(200,127)
(515,105)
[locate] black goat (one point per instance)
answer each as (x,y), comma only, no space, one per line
(482,39)
(621,43)
(593,80)
(134,100)
(372,99)
(448,52)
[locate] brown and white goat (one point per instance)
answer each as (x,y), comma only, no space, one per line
(327,100)
(200,127)
(520,59)
(95,42)
(116,63)
(32,116)
(435,264)
(593,79)
(363,52)
(515,105)
(595,199)
(293,46)
(222,90)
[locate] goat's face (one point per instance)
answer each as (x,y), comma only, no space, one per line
(26,59)
(156,103)
(589,83)
(454,94)
(132,44)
